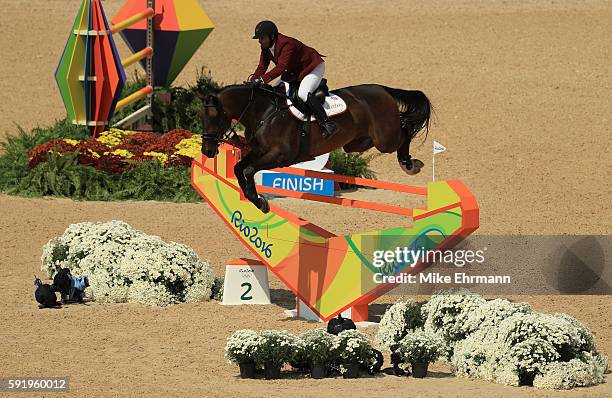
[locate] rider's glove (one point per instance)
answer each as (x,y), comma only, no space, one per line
(257,82)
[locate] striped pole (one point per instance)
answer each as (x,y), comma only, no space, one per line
(132,59)
(143,92)
(149,12)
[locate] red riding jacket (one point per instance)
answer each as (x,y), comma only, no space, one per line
(293,60)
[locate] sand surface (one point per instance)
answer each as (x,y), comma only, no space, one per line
(522,102)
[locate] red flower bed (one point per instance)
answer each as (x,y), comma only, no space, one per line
(39,153)
(122,156)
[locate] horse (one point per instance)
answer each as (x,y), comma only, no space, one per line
(377,116)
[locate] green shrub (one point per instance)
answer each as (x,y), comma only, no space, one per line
(63,176)
(351,164)
(182,112)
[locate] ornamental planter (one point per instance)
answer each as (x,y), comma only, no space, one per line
(352,371)
(272,371)
(318,371)
(419,370)
(247,370)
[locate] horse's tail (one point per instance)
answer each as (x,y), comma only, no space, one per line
(414,108)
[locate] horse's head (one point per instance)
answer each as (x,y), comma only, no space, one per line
(216,123)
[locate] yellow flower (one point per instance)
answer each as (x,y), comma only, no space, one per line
(71,142)
(94,154)
(124,153)
(189,146)
(162,157)
(113,136)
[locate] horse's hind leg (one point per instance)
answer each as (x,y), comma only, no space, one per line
(409,165)
(361,144)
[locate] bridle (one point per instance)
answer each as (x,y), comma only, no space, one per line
(227,134)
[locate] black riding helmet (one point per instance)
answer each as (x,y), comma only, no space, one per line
(265,28)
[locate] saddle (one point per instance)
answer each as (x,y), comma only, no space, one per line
(333,104)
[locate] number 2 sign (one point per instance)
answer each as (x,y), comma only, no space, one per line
(246,282)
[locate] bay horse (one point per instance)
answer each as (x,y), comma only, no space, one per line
(377,116)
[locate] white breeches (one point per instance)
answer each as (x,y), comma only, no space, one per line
(311,81)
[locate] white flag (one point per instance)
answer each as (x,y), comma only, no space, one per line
(438,148)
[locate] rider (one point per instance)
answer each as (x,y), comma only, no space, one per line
(294,62)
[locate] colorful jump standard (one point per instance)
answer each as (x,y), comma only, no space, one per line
(90,74)
(326,272)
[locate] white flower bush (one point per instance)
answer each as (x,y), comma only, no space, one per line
(397,321)
(446,314)
(421,347)
(529,346)
(318,346)
(490,313)
(242,345)
(501,341)
(353,346)
(276,347)
(585,371)
(126,265)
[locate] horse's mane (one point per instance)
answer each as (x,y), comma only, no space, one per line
(243,86)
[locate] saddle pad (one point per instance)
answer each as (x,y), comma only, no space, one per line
(333,105)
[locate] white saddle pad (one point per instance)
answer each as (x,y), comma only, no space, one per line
(333,105)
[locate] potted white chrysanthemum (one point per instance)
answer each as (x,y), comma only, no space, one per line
(419,349)
(353,349)
(275,348)
(240,349)
(318,346)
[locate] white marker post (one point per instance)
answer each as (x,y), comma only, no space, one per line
(437,148)
(246,282)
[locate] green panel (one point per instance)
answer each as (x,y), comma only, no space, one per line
(187,44)
(65,65)
(62,74)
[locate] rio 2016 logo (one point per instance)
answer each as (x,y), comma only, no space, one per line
(251,232)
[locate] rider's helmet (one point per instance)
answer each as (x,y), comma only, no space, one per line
(265,28)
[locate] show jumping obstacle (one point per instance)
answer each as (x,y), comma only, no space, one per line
(162,34)
(330,274)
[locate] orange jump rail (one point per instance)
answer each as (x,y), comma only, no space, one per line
(336,201)
(364,182)
(361,204)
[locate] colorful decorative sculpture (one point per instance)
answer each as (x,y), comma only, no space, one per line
(163,34)
(90,76)
(180,28)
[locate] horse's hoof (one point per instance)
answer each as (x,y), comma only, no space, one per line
(263,205)
(412,167)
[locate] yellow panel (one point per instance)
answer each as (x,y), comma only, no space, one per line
(191,16)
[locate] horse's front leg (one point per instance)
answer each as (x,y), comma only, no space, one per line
(267,161)
(239,168)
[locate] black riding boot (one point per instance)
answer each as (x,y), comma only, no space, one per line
(328,127)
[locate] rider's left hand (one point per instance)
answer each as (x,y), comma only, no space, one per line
(257,82)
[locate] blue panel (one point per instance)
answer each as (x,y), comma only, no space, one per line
(298,183)
(164,44)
